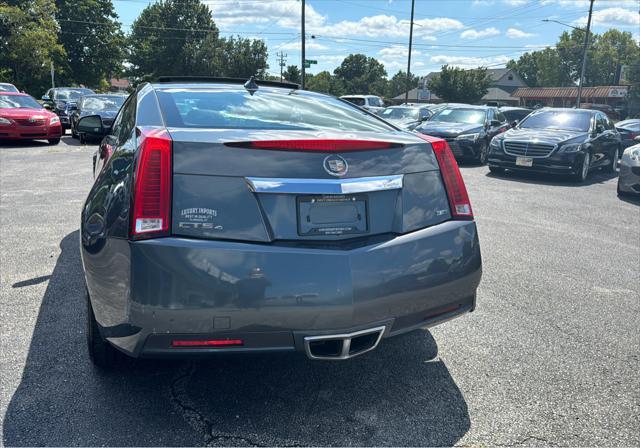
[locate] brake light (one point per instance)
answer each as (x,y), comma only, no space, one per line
(453,182)
(315,145)
(207,343)
(152,185)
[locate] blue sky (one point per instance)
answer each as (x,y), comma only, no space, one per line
(464,33)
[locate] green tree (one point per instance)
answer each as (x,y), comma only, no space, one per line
(359,74)
(179,37)
(455,85)
(293,74)
(542,68)
(174,38)
(323,82)
(29,44)
(561,65)
(93,41)
(241,58)
(398,84)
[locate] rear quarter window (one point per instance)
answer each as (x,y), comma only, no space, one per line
(265,109)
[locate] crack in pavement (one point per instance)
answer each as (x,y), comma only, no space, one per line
(180,400)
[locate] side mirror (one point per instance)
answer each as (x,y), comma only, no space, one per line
(91,126)
(514,123)
(495,123)
(48,106)
(599,129)
(637,138)
(46,98)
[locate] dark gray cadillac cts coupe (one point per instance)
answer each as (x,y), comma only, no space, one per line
(233,217)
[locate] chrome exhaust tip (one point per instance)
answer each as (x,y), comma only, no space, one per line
(334,347)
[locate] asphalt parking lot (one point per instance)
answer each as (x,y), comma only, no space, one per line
(550,357)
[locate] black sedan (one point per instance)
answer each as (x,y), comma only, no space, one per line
(563,141)
(468,129)
(56,100)
(106,106)
(629,130)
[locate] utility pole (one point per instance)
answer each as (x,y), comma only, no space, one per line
(282,62)
(406,95)
(53,76)
(303,50)
(584,55)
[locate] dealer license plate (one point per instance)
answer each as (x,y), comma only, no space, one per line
(524,161)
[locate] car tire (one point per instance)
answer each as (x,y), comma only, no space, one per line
(583,173)
(54,141)
(483,153)
(496,170)
(611,168)
(102,354)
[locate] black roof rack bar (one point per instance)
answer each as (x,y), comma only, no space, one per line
(214,79)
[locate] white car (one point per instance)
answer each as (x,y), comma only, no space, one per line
(629,176)
(371,103)
(6,87)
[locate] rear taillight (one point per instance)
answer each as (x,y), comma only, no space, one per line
(322,145)
(152,185)
(453,183)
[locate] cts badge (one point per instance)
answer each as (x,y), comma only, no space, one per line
(335,165)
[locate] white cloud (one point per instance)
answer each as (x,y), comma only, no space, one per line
(584,4)
(612,17)
(514,33)
(394,58)
(309,46)
(469,61)
(286,14)
(473,34)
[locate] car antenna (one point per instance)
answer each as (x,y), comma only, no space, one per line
(251,85)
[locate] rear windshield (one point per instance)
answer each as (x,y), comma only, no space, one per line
(71,94)
(558,119)
(515,114)
(357,101)
(98,103)
(15,101)
(7,88)
(400,113)
(265,109)
(468,116)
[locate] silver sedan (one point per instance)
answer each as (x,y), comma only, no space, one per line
(629,177)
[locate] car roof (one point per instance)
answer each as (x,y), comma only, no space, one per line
(503,108)
(569,109)
(14,93)
(359,96)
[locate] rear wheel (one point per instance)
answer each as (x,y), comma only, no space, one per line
(102,354)
(483,152)
(611,168)
(54,141)
(496,170)
(583,171)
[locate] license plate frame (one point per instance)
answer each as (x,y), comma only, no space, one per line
(524,161)
(304,204)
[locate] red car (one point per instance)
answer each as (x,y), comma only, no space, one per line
(23,118)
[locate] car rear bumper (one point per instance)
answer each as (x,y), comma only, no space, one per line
(30,132)
(274,296)
(557,163)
